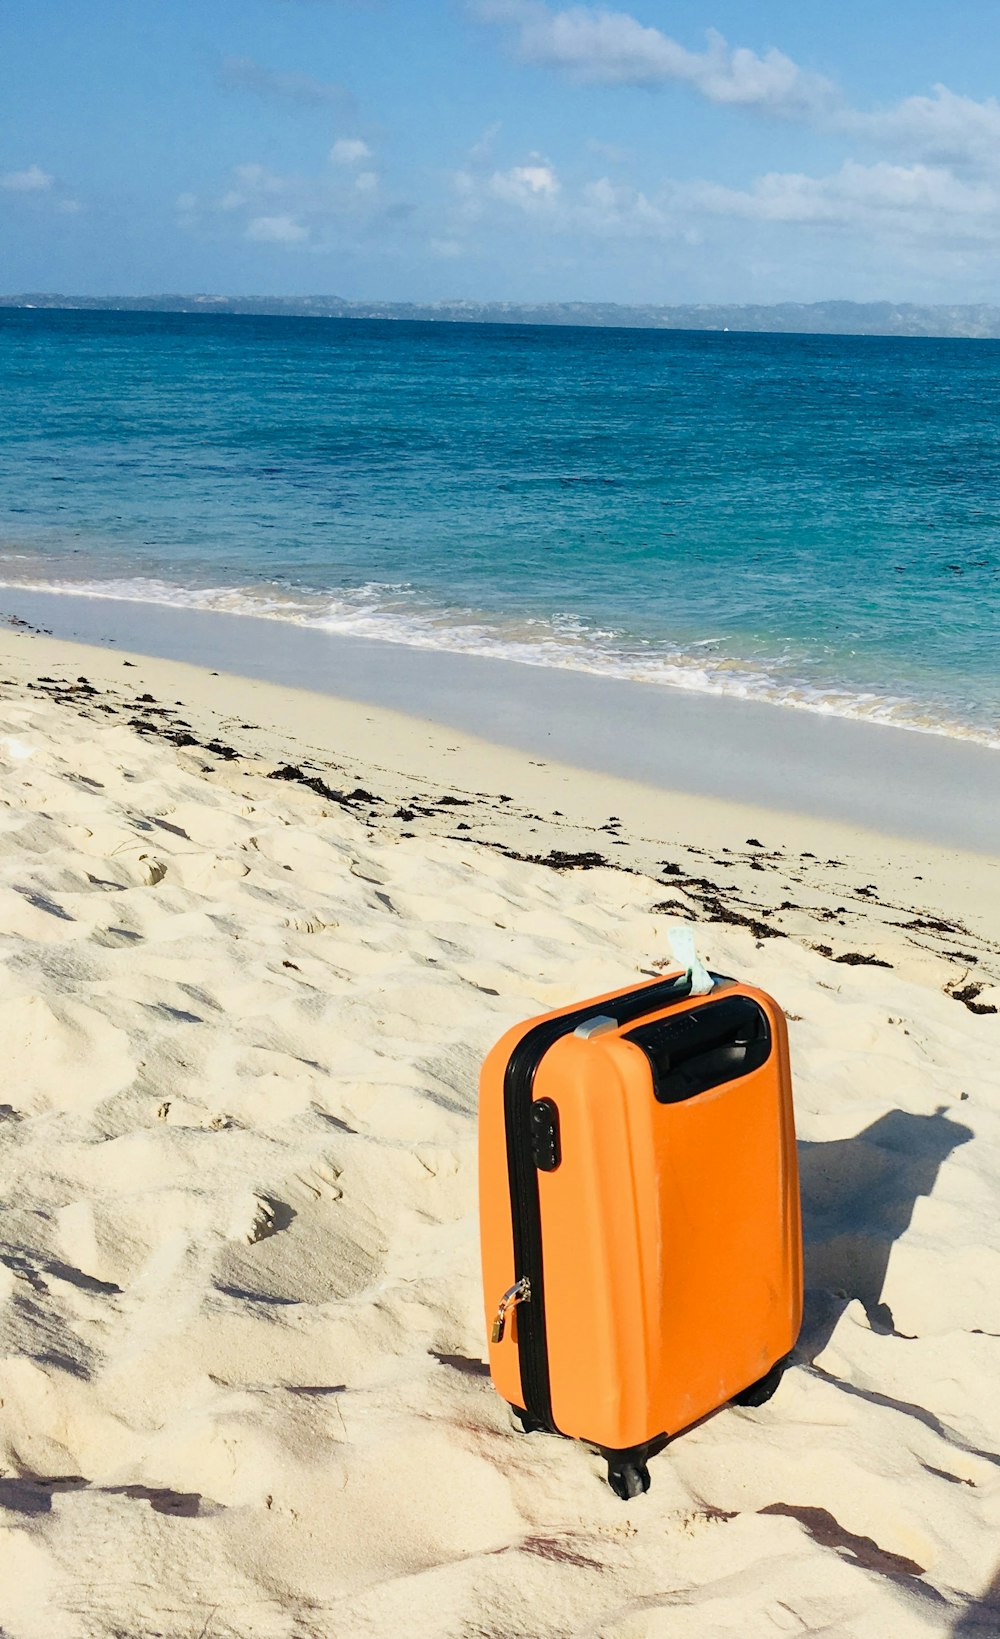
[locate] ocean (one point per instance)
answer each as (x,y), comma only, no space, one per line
(810,520)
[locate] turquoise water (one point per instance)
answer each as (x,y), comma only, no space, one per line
(813,520)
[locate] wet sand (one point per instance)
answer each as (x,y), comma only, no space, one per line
(864,775)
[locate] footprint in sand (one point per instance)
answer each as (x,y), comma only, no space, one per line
(300,1245)
(257,1217)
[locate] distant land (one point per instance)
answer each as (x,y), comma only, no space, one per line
(788,318)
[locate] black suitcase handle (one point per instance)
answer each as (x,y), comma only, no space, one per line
(704,1047)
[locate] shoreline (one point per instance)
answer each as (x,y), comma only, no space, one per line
(923,893)
(696,669)
(891,781)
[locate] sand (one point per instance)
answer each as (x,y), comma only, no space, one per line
(241,1339)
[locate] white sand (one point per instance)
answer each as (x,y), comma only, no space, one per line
(241,1389)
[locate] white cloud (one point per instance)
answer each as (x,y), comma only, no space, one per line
(32,180)
(41,188)
(608,208)
(350,151)
(598,209)
(614,48)
(254,184)
(525,185)
(918,200)
(325,208)
(277,230)
(945,127)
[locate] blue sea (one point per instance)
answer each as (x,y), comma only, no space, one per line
(809,520)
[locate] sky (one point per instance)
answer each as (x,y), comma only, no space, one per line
(664,151)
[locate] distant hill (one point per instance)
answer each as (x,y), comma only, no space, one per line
(799,318)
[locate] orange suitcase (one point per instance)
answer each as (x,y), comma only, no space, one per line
(639,1211)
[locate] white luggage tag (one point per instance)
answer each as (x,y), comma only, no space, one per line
(682,948)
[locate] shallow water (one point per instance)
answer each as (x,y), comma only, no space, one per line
(807,519)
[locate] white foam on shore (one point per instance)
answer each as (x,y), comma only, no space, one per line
(390,613)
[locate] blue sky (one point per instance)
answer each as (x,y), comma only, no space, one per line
(661,151)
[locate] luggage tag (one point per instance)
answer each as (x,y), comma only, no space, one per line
(682,947)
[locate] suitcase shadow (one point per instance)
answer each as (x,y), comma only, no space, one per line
(858,1196)
(981,1618)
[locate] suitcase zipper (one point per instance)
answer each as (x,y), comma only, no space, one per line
(523,1180)
(520,1292)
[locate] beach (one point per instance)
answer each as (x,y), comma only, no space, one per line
(257,939)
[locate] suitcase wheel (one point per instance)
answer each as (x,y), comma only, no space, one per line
(628,1479)
(628,1475)
(760,1392)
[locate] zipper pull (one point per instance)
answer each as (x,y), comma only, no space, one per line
(520,1292)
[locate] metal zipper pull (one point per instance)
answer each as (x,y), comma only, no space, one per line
(520,1292)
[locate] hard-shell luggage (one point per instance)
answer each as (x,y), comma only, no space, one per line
(639,1210)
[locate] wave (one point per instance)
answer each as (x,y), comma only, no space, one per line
(394,613)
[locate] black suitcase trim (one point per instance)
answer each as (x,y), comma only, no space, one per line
(522,1174)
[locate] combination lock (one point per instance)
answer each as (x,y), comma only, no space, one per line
(545,1134)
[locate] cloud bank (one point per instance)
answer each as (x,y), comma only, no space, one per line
(602,47)
(925,167)
(905,188)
